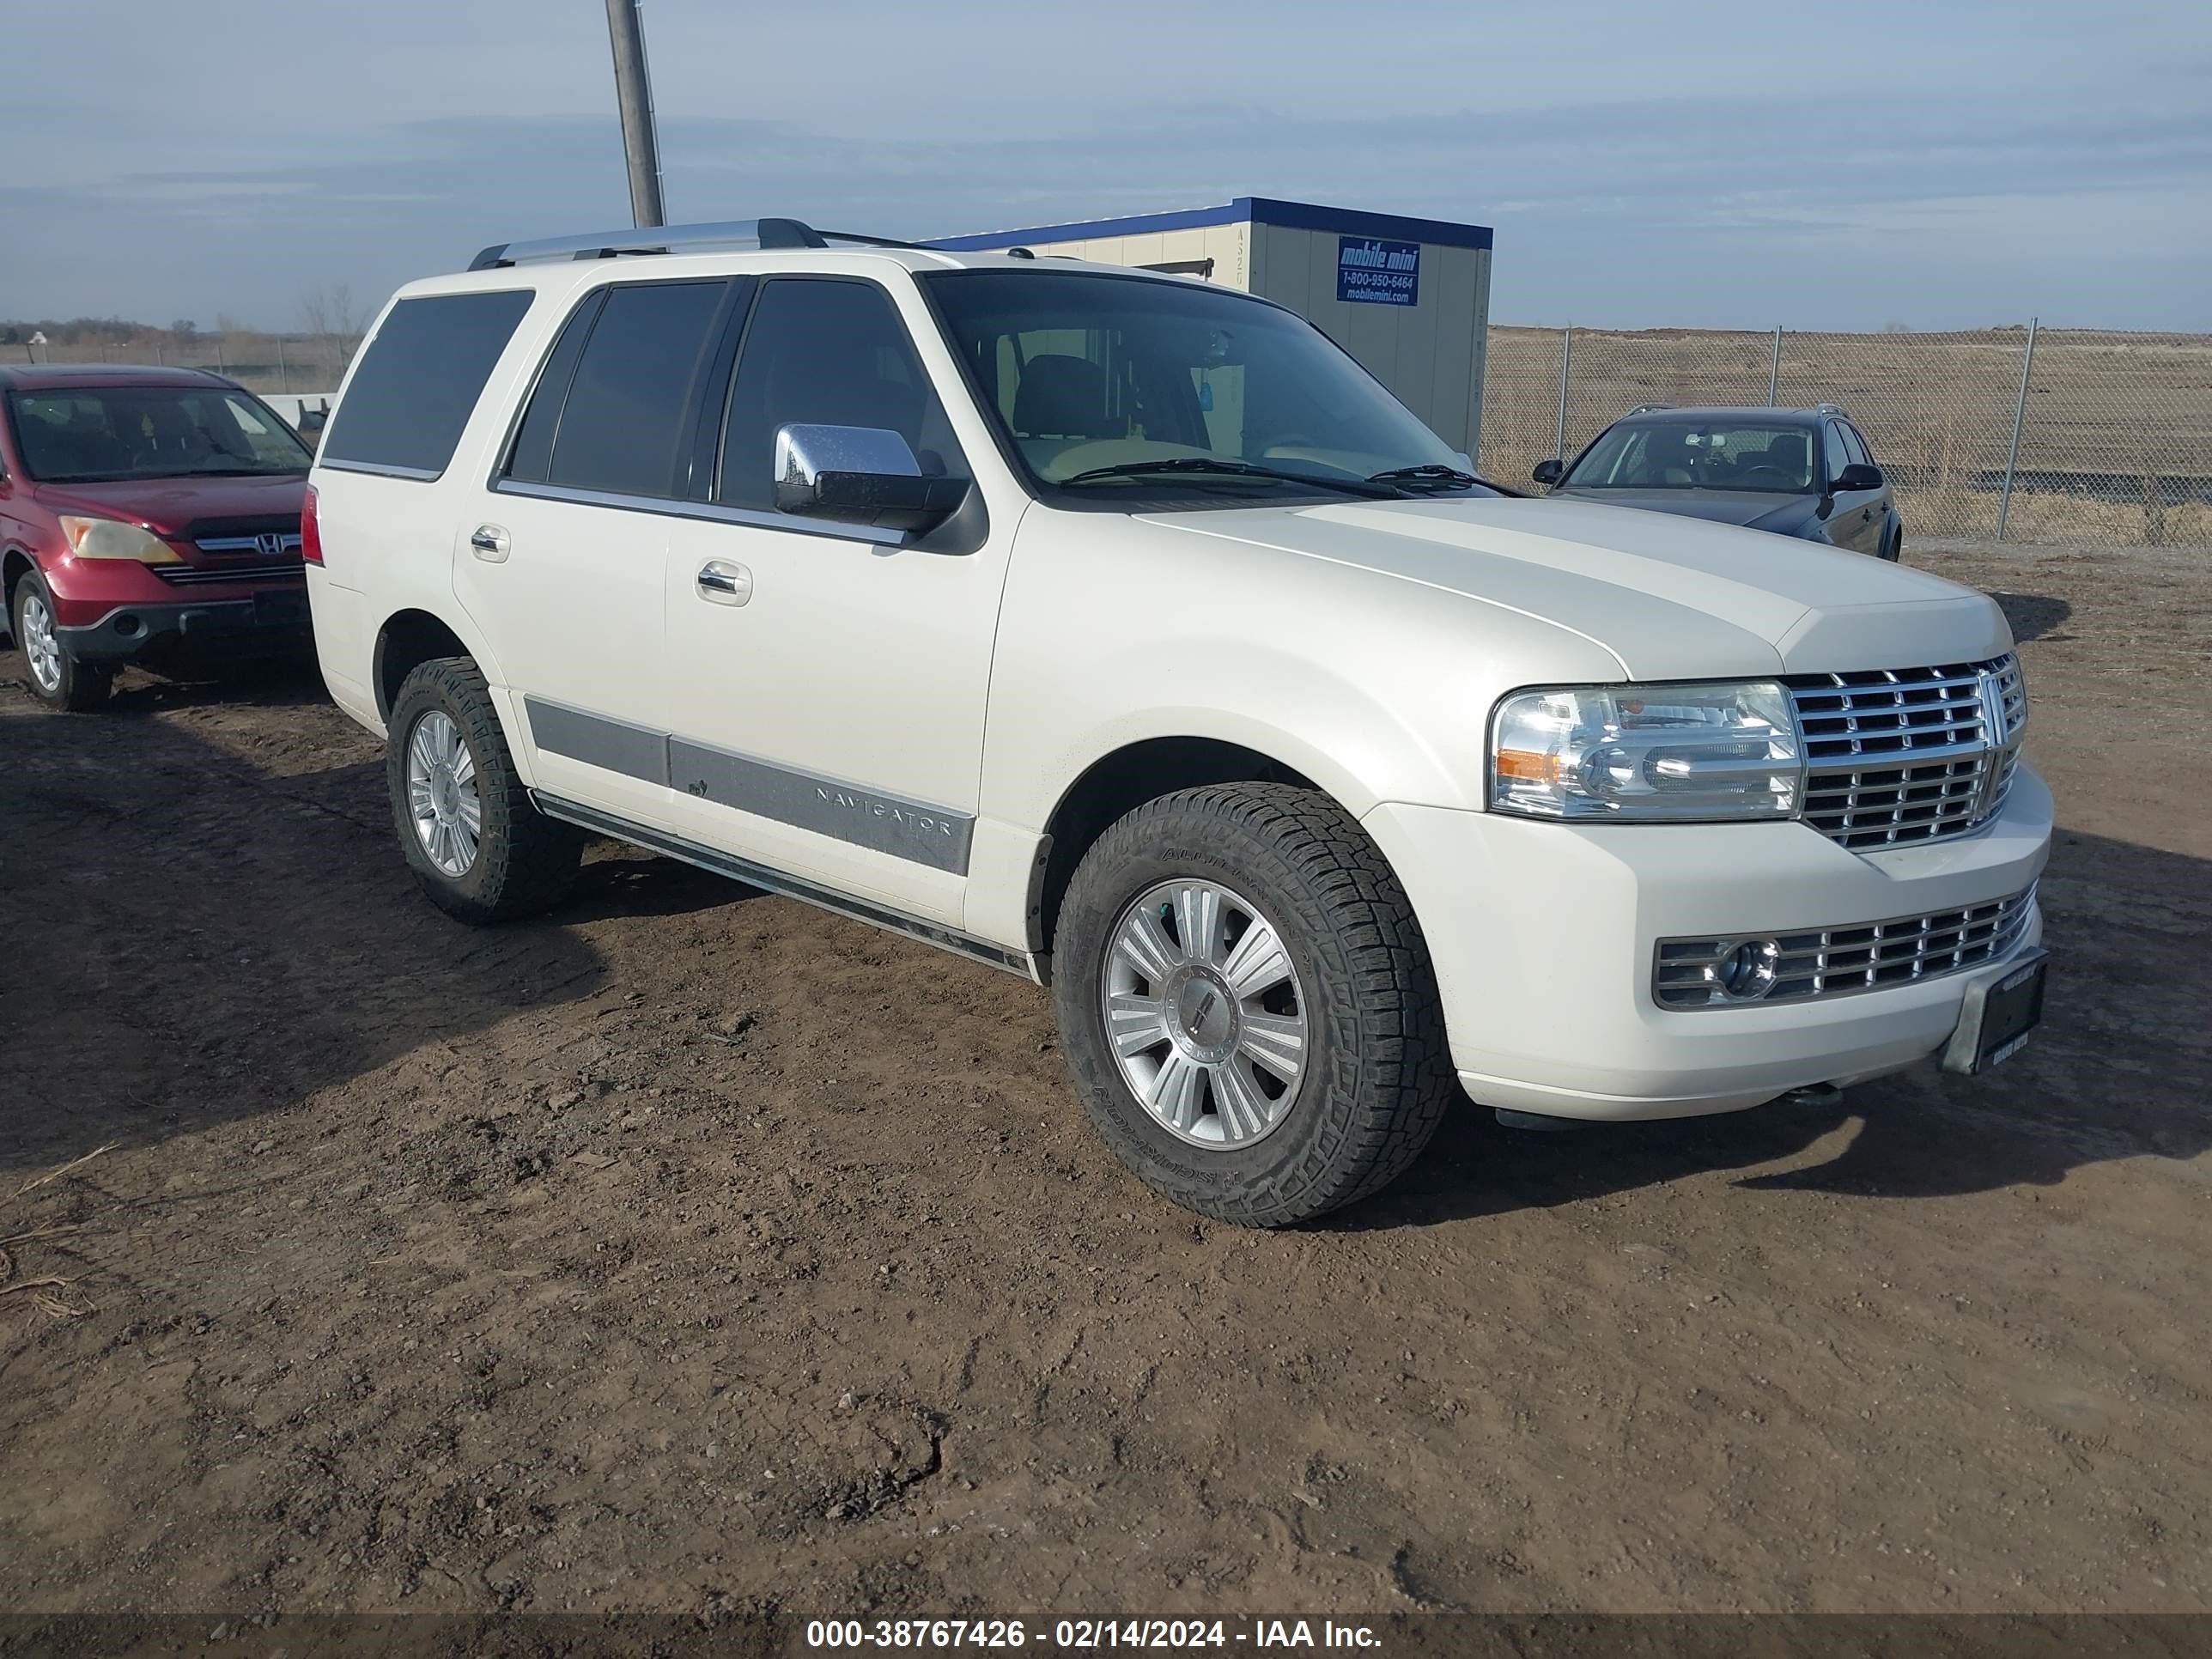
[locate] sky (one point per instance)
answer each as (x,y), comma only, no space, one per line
(1644,162)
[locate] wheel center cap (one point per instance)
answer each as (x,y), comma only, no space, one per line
(445,794)
(1205,1014)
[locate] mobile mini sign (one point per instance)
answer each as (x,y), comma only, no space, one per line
(1370,271)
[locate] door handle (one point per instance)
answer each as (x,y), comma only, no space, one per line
(725,583)
(489,543)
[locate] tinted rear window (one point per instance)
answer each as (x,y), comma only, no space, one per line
(416,389)
(625,420)
(533,438)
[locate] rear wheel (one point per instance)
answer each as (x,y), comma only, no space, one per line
(477,846)
(1247,1002)
(57,678)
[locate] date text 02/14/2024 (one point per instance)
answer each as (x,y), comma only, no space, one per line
(1084,1635)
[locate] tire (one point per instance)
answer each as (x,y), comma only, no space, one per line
(1893,550)
(1376,1076)
(57,678)
(521,862)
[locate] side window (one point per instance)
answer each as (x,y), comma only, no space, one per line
(623,428)
(1856,444)
(833,352)
(533,438)
(419,382)
(1839,454)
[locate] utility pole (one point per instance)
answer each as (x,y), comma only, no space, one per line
(2019,419)
(634,97)
(1566,361)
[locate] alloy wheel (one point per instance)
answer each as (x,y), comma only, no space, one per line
(441,793)
(42,650)
(1205,1013)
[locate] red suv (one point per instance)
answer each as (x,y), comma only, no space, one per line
(146,514)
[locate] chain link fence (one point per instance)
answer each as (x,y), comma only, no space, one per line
(259,362)
(2114,430)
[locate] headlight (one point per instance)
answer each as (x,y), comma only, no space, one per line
(110,538)
(1651,752)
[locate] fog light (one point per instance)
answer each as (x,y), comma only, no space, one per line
(1747,973)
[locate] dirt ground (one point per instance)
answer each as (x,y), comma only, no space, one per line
(693,1249)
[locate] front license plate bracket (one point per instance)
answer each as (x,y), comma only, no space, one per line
(1998,1015)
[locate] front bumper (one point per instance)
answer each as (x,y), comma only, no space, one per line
(266,621)
(1542,936)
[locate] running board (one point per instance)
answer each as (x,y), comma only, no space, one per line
(776,881)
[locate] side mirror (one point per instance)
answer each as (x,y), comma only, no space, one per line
(1548,472)
(1857,475)
(859,475)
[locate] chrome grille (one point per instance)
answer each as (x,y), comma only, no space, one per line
(1897,756)
(238,570)
(1839,961)
(267,545)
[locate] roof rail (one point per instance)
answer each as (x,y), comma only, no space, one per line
(1831,409)
(726,234)
(1649,409)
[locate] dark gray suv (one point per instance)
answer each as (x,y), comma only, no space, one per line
(1801,473)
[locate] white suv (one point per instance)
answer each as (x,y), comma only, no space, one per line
(1119,631)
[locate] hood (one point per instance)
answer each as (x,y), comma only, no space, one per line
(1672,597)
(168,506)
(1759,509)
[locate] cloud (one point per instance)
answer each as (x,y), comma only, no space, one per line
(1981,175)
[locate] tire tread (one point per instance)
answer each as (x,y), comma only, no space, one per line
(1405,1079)
(524,869)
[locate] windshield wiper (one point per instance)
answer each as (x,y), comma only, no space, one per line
(1447,477)
(1367,489)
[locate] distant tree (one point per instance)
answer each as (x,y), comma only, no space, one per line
(334,319)
(184,328)
(1897,328)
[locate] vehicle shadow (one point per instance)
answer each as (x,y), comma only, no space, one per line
(277,683)
(622,881)
(197,938)
(2033,615)
(615,880)
(2122,1067)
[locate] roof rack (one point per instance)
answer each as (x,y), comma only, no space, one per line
(1649,409)
(726,235)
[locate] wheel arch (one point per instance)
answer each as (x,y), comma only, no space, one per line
(412,637)
(1142,769)
(15,562)
(407,639)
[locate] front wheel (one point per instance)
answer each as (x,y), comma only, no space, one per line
(478,847)
(1246,1000)
(57,678)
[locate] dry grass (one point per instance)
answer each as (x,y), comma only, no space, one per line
(73,1165)
(50,1294)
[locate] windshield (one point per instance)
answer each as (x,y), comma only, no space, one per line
(102,434)
(1691,454)
(1087,372)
